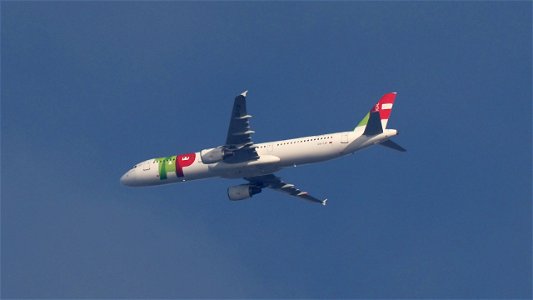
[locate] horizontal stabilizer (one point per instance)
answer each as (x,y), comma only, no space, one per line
(392,145)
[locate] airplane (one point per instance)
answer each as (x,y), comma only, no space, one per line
(240,157)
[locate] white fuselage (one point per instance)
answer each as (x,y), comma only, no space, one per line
(273,156)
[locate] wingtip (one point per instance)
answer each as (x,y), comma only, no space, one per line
(244,93)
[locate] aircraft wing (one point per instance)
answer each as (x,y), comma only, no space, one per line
(275,183)
(239,138)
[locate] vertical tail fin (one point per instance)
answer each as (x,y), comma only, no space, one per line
(376,120)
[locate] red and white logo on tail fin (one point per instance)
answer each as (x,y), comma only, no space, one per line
(384,107)
(382,110)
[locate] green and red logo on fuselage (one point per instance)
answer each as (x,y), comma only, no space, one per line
(174,164)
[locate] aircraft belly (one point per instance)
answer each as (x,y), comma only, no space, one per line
(266,164)
(198,170)
(300,156)
(251,171)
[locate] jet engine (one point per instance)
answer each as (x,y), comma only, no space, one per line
(243,191)
(213,155)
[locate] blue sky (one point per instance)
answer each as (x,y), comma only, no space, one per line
(90,88)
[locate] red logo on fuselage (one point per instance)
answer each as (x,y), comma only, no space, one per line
(183,161)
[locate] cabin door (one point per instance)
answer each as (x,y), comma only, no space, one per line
(344,139)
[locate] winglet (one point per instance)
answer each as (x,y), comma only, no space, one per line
(244,93)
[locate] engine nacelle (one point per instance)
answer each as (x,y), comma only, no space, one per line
(213,155)
(243,191)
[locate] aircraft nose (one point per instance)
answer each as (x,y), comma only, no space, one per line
(127,179)
(124,179)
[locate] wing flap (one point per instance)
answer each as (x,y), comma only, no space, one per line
(273,182)
(239,137)
(248,132)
